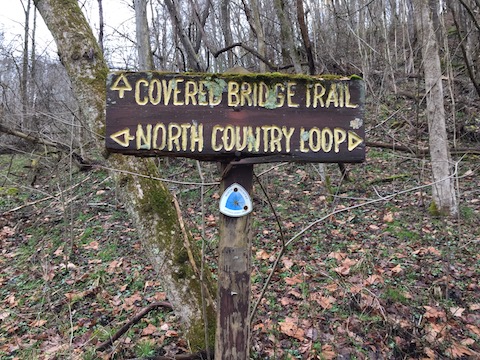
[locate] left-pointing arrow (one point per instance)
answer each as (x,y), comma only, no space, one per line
(122,137)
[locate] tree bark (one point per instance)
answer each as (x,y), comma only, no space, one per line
(258,26)
(144,49)
(227,32)
(148,201)
(195,62)
(286,35)
(443,190)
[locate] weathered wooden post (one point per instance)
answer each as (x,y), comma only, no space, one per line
(234,258)
(239,120)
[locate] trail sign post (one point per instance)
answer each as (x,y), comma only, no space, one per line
(238,120)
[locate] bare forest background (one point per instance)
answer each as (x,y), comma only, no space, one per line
(420,61)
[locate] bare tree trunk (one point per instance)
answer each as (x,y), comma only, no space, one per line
(144,49)
(24,77)
(286,35)
(306,38)
(261,47)
(101,25)
(149,203)
(227,32)
(443,184)
(195,62)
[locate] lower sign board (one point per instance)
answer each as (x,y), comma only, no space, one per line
(219,117)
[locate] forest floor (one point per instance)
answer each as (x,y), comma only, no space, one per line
(375,276)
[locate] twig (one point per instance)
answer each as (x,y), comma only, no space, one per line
(156,178)
(81,163)
(202,264)
(323,218)
(103,346)
(186,242)
(45,198)
(282,250)
(198,356)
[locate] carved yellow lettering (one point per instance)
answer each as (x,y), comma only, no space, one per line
(327,139)
(308,95)
(202,94)
(276,138)
(314,139)
(332,96)
(253,141)
(339,136)
(174,134)
(167,90)
(303,138)
(215,146)
(228,138)
(144,141)
(291,94)
(240,139)
(155,91)
(185,128)
(318,92)
(191,90)
(280,90)
(196,137)
(176,92)
(163,138)
(347,99)
(138,90)
(255,94)
(212,100)
(341,93)
(262,94)
(288,136)
(246,94)
(233,90)
(266,129)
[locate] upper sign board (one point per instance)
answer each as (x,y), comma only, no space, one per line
(271,117)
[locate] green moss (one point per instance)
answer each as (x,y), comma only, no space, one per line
(196,334)
(433,210)
(268,78)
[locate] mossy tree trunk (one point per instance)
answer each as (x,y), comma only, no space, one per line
(148,201)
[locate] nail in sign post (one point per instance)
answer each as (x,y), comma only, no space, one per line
(238,120)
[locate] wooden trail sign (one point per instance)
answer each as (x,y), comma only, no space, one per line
(239,120)
(272,117)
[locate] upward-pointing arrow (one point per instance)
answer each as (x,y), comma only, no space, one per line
(122,137)
(353,140)
(121,85)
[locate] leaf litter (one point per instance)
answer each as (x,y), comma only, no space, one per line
(386,280)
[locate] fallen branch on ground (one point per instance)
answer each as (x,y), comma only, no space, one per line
(79,161)
(103,346)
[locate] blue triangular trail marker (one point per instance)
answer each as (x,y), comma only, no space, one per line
(235,201)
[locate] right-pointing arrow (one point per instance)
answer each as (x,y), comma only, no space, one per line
(353,140)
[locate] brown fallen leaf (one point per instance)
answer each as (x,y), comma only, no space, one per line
(93,245)
(434,313)
(287,263)
(149,330)
(326,302)
(345,266)
(457,311)
(458,350)
(388,217)
(297,279)
(262,255)
(290,328)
